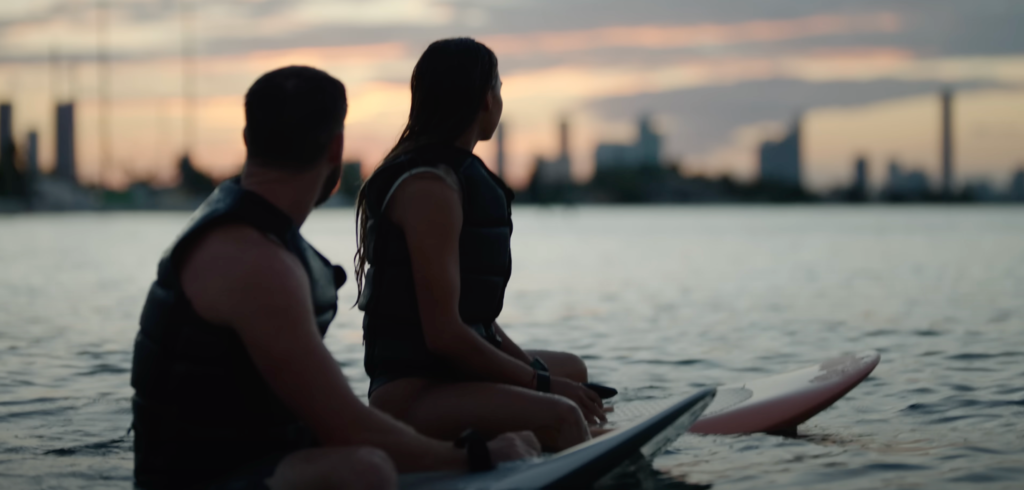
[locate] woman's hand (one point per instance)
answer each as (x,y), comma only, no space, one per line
(588,401)
(512,446)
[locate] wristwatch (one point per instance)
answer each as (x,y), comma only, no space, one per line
(539,365)
(478,455)
(543,382)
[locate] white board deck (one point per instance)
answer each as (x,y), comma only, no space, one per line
(582,465)
(777,403)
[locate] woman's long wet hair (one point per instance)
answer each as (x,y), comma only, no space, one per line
(449,84)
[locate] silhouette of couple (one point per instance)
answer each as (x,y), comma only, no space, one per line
(234,387)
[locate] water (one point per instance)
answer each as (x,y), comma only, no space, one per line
(659,300)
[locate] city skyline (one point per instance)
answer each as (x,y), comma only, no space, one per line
(717,79)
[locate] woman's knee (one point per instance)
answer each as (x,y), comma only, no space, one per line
(564,364)
(576,368)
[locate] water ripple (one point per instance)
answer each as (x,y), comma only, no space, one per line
(659,301)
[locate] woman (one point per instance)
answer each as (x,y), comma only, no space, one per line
(433,260)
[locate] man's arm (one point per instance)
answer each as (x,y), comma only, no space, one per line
(237,277)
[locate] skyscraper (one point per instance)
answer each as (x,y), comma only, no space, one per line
(947,143)
(32,154)
(859,189)
(6,132)
(1017,185)
(12,182)
(780,160)
(65,142)
(351,179)
(905,185)
(557,171)
(8,174)
(645,152)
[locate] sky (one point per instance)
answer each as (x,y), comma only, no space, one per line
(717,77)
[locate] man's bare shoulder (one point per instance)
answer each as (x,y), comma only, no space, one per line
(233,267)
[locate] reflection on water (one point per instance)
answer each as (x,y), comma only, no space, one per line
(659,300)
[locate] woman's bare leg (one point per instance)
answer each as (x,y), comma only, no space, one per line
(562,364)
(444,410)
(569,366)
(349,468)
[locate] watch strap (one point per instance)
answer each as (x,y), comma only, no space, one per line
(538,365)
(543,382)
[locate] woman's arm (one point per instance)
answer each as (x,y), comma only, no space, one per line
(429,212)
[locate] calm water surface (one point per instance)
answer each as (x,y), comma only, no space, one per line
(659,300)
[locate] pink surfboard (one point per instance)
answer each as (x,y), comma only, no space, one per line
(776,404)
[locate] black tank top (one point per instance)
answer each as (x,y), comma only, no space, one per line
(201,408)
(395,345)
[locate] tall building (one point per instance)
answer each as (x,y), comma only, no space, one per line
(32,154)
(780,160)
(351,179)
(645,152)
(905,185)
(6,131)
(557,171)
(65,168)
(192,181)
(501,150)
(859,189)
(947,143)
(1017,185)
(9,177)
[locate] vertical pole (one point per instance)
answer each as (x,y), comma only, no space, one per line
(188,72)
(54,73)
(103,88)
(947,143)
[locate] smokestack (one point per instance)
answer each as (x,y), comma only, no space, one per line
(947,143)
(65,141)
(564,140)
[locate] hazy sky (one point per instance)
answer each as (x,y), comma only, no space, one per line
(718,76)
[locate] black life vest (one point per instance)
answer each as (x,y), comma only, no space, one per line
(201,408)
(393,332)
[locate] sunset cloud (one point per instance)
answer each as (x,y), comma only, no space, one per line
(567,58)
(660,36)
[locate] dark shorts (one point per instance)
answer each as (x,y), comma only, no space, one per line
(434,374)
(390,359)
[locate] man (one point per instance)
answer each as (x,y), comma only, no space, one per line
(233,385)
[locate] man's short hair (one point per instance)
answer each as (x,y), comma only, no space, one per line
(291,115)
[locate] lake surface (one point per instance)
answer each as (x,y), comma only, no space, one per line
(659,300)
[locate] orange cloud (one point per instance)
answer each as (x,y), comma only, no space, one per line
(316,56)
(688,36)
